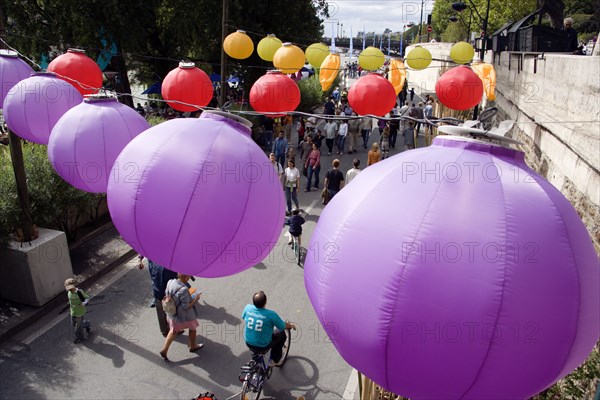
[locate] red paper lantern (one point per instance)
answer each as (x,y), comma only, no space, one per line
(459,88)
(79,70)
(187,84)
(372,94)
(274,92)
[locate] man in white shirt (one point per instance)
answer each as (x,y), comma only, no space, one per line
(330,134)
(342,134)
(351,174)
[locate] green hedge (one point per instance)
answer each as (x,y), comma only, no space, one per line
(54,203)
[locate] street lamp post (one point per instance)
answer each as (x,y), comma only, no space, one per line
(421,23)
(459,6)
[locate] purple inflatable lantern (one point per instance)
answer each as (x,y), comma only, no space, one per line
(198,196)
(86,141)
(33,107)
(12,71)
(484,286)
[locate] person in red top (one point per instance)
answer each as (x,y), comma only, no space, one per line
(313,165)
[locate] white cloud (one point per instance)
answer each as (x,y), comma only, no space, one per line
(373,16)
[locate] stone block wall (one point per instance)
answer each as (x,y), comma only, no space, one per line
(556,104)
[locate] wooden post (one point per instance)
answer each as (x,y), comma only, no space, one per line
(16,155)
(223,96)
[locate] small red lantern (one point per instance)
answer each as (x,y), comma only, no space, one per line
(187,84)
(372,94)
(274,92)
(79,70)
(459,88)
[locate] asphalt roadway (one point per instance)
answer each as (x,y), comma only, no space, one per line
(120,359)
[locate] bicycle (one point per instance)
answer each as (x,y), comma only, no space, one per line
(256,372)
(297,250)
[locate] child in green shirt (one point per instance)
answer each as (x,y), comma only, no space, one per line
(78,299)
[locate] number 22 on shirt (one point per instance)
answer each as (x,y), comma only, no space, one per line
(254,327)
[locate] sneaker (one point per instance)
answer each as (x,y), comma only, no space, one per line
(328,154)
(287,213)
(275,364)
(77,341)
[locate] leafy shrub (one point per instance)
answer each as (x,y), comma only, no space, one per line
(312,94)
(54,203)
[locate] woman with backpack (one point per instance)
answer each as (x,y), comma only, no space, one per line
(184,317)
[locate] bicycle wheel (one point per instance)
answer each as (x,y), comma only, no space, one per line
(286,348)
(297,252)
(249,392)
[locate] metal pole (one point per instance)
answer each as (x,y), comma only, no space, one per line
(421,23)
(485,24)
(223,95)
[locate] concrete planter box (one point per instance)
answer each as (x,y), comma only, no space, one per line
(35,273)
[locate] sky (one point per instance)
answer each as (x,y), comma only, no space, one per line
(373,15)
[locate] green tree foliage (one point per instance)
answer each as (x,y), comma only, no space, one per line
(54,202)
(500,13)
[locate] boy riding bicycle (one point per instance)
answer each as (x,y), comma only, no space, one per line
(295,222)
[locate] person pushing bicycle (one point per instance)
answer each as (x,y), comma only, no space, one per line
(264,328)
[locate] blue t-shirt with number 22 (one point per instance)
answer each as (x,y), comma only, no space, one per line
(259,323)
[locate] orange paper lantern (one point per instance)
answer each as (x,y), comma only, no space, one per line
(329,70)
(187,84)
(79,70)
(487,74)
(397,75)
(289,59)
(238,45)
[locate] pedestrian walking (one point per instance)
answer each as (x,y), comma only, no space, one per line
(385,142)
(365,129)
(374,154)
(292,183)
(280,148)
(160,276)
(353,172)
(78,299)
(313,167)
(330,134)
(334,180)
(353,133)
(278,168)
(342,134)
(185,317)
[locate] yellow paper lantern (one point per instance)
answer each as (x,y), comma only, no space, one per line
(418,58)
(371,59)
(462,53)
(329,70)
(487,74)
(316,53)
(268,46)
(238,45)
(289,58)
(397,75)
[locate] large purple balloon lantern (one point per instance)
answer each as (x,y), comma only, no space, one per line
(12,71)
(455,272)
(35,104)
(86,141)
(198,196)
